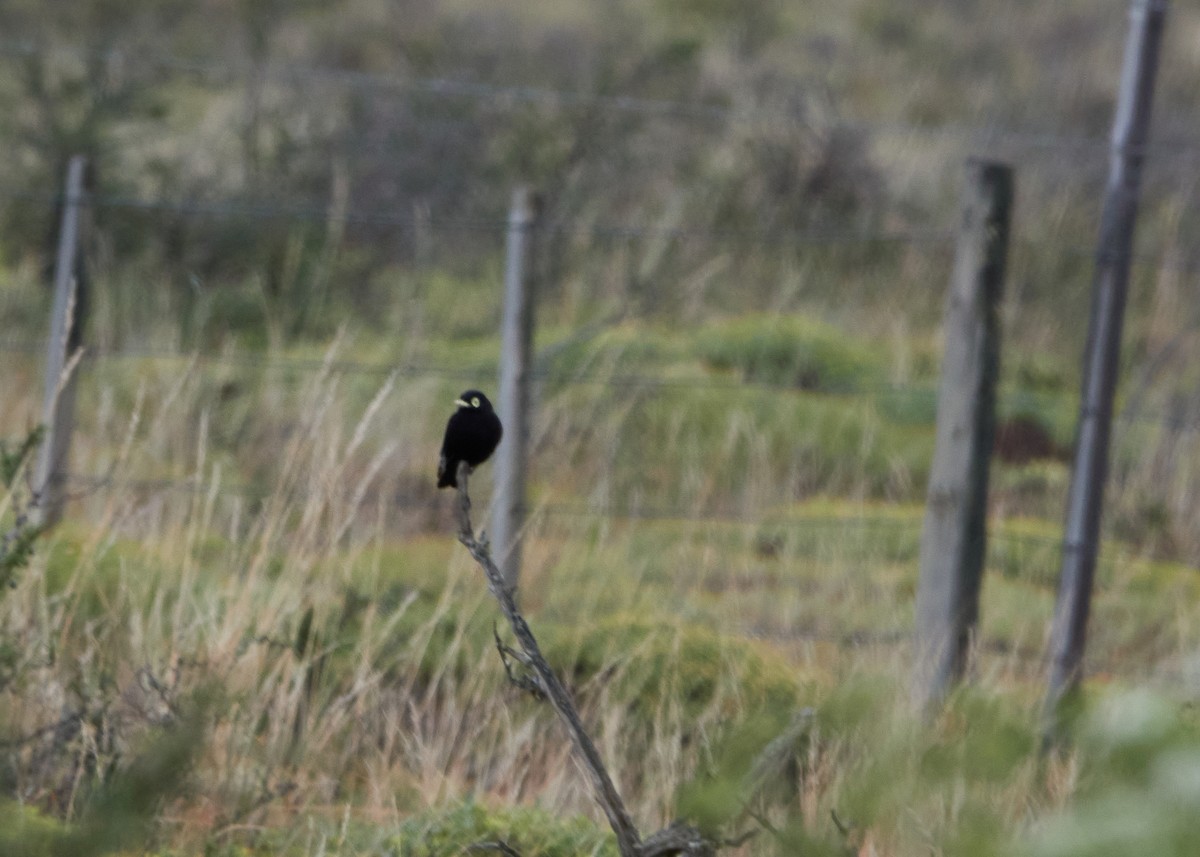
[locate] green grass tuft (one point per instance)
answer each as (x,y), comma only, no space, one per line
(792,351)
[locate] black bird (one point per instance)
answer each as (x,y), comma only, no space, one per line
(472,434)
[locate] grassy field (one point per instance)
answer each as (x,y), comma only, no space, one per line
(705,558)
(255,634)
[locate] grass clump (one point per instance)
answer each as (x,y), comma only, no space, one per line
(1139,783)
(792,351)
(745,450)
(627,349)
(656,663)
(530,831)
(118,810)
(955,786)
(860,770)
(28,833)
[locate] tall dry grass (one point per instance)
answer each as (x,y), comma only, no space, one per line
(274,532)
(350,640)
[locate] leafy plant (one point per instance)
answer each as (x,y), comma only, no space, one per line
(119,813)
(795,351)
(1139,783)
(12,460)
(530,832)
(16,545)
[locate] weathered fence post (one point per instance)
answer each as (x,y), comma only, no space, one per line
(1085,499)
(954,537)
(66,329)
(515,400)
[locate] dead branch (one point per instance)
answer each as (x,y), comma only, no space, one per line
(503,847)
(677,839)
(527,683)
(772,764)
(628,840)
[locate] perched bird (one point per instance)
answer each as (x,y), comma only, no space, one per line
(472,434)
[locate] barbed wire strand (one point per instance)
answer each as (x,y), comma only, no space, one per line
(318,213)
(1010,400)
(1167,259)
(92,483)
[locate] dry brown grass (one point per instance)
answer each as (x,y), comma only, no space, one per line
(395,704)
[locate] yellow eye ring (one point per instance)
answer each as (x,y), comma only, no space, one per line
(474,401)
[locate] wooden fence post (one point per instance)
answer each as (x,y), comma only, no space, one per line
(515,400)
(1085,498)
(66,328)
(954,536)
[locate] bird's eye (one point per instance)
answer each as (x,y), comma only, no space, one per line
(474,401)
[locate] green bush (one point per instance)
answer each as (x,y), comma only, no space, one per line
(901,776)
(462,307)
(119,813)
(531,832)
(664,663)
(1139,786)
(791,350)
(619,350)
(908,405)
(25,832)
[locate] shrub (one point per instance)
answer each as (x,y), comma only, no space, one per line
(531,832)
(1139,784)
(794,351)
(663,663)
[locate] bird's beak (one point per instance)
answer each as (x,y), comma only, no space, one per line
(461,403)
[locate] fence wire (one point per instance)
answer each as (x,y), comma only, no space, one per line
(549,379)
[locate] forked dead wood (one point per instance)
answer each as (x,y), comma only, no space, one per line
(677,839)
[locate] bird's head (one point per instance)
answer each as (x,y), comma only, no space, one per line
(473,400)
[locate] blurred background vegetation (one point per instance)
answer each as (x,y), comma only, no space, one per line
(296,244)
